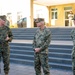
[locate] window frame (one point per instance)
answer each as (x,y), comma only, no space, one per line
(53,12)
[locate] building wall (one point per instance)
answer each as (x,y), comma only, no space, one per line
(27,9)
(60,22)
(73,8)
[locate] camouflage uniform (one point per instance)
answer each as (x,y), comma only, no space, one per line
(73,51)
(7,23)
(4,46)
(0,65)
(41,40)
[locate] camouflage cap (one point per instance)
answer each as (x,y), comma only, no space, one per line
(39,20)
(73,17)
(2,18)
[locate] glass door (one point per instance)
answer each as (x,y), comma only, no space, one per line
(67,18)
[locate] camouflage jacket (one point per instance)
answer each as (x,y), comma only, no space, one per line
(73,36)
(7,23)
(42,40)
(4,31)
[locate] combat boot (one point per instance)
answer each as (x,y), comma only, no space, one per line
(6,74)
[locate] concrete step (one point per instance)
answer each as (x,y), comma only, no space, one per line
(60,66)
(21,61)
(22,56)
(53,36)
(51,59)
(60,50)
(26,52)
(57,33)
(21,47)
(60,60)
(53,48)
(52,54)
(61,55)
(56,45)
(23,51)
(31,38)
(31,62)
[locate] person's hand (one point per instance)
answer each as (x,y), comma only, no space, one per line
(37,50)
(7,38)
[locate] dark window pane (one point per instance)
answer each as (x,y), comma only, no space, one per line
(52,15)
(67,8)
(54,9)
(66,15)
(55,15)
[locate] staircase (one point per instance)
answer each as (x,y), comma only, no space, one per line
(59,55)
(57,33)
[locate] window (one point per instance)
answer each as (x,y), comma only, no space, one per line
(54,13)
(67,8)
(67,11)
(66,14)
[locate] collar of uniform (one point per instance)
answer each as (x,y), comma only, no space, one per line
(43,28)
(2,27)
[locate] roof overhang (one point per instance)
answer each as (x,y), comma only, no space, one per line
(53,2)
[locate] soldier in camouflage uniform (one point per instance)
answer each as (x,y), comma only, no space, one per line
(41,42)
(73,51)
(5,37)
(7,23)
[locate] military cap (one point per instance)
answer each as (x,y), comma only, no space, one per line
(2,18)
(73,17)
(39,20)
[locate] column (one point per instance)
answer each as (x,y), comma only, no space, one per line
(49,22)
(30,14)
(14,19)
(73,10)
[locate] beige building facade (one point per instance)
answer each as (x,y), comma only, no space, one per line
(58,15)
(54,15)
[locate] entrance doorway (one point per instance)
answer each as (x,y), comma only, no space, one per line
(66,17)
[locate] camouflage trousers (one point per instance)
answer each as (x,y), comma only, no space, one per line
(5,54)
(73,65)
(41,60)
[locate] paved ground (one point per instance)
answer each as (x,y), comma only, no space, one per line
(16,69)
